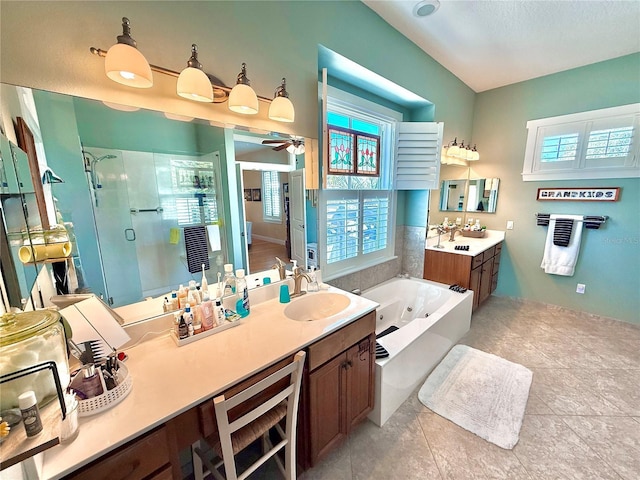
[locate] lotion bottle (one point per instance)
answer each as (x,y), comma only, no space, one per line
(220,317)
(208,321)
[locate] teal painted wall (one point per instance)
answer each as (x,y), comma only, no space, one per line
(609,259)
(57,119)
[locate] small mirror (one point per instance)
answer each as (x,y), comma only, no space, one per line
(452,195)
(477,195)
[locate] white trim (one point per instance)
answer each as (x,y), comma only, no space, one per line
(268,239)
(581,123)
(357,268)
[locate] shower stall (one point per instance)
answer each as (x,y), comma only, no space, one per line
(142,201)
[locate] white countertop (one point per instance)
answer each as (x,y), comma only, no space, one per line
(168,380)
(476,245)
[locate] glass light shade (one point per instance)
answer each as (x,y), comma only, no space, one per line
(453,151)
(281,109)
(473,156)
(462,153)
(242,99)
(194,84)
(126,65)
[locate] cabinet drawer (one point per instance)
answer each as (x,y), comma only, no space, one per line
(496,262)
(498,248)
(336,343)
(477,260)
(489,253)
(134,461)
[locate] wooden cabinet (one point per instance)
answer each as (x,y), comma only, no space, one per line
(478,273)
(337,388)
(139,459)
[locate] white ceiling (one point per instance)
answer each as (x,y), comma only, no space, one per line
(492,43)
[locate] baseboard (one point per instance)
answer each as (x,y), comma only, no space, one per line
(268,239)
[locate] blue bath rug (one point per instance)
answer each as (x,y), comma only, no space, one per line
(481,392)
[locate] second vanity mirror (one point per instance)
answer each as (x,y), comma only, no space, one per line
(469,195)
(132,181)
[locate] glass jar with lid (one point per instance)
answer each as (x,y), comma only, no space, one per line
(28,339)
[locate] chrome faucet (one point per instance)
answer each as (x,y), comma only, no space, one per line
(281,267)
(298,275)
(440,231)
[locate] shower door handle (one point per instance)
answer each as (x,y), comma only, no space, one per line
(130,234)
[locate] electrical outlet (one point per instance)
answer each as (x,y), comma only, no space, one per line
(580,288)
(509,224)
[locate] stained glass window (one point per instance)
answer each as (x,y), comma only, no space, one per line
(343,143)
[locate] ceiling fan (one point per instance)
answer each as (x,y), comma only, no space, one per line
(293,145)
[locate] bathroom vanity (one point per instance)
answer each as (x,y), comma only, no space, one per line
(170,405)
(475,269)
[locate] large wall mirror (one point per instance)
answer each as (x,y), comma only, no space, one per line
(469,195)
(127,183)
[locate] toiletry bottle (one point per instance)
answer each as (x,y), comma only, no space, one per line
(229,280)
(188,315)
(197,319)
(30,413)
(192,296)
(183,329)
(190,329)
(177,316)
(182,296)
(312,286)
(220,316)
(242,304)
(91,384)
(206,307)
(204,286)
(174,301)
(166,306)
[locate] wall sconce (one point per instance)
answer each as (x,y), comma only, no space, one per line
(454,153)
(242,98)
(126,65)
(281,108)
(193,83)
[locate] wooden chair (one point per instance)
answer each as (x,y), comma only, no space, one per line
(235,433)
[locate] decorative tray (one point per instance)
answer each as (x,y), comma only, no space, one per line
(473,233)
(207,333)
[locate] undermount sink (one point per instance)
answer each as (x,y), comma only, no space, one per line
(316,306)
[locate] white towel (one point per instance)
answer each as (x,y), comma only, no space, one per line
(562,260)
(213,232)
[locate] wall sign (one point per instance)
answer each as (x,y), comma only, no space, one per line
(606,194)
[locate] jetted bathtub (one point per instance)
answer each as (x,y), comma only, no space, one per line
(430,320)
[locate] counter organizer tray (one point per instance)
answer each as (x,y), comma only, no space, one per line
(473,233)
(109,398)
(206,333)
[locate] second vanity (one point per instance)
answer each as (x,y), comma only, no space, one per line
(170,405)
(475,269)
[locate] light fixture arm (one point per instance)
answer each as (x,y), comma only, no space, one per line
(126,37)
(281,90)
(193,61)
(242,76)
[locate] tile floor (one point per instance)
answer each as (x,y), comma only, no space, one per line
(582,419)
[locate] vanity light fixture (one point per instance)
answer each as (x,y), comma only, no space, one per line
(242,98)
(454,149)
(125,64)
(473,154)
(281,108)
(193,83)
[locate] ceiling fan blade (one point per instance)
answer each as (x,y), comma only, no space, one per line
(282,147)
(267,142)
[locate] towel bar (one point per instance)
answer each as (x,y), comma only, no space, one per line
(589,221)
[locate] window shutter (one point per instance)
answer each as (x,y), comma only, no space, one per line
(418,147)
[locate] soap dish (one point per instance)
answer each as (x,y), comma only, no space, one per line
(109,398)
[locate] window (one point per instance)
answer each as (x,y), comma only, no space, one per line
(595,144)
(357,218)
(271,204)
